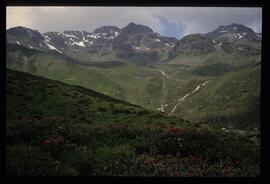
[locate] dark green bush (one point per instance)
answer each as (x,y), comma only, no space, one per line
(31,160)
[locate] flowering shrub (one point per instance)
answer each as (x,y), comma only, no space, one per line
(174,131)
(129,150)
(33,130)
(54,140)
(25,160)
(171,141)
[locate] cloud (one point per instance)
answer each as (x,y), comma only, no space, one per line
(205,19)
(172,29)
(78,18)
(176,21)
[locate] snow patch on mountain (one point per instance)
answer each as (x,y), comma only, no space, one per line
(239,35)
(52,47)
(185,96)
(178,102)
(47,43)
(88,41)
(41,45)
(116,33)
(95,36)
(162,107)
(79,43)
(69,35)
(204,83)
(163,73)
(48,38)
(197,88)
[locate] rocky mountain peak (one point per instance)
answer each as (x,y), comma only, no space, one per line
(133,28)
(107,29)
(193,43)
(233,32)
(20,31)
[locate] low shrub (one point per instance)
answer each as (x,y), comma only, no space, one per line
(24,160)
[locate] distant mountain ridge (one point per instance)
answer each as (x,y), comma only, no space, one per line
(136,43)
(233,32)
(102,41)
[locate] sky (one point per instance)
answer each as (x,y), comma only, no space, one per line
(169,21)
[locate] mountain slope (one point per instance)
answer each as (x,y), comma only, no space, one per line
(29,38)
(26,92)
(103,44)
(141,46)
(227,44)
(60,67)
(236,38)
(107,60)
(57,129)
(193,44)
(138,85)
(231,100)
(138,44)
(156,88)
(232,33)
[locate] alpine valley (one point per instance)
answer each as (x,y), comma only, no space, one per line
(133,102)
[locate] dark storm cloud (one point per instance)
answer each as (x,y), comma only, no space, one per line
(187,19)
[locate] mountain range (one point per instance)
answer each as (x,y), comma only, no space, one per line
(212,77)
(131,102)
(132,40)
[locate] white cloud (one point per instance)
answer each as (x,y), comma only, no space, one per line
(194,19)
(205,19)
(78,18)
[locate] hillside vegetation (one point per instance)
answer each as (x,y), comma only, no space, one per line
(230,100)
(230,97)
(58,129)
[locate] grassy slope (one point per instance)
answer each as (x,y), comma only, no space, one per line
(147,87)
(60,68)
(40,97)
(233,99)
(231,96)
(235,59)
(57,129)
(138,85)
